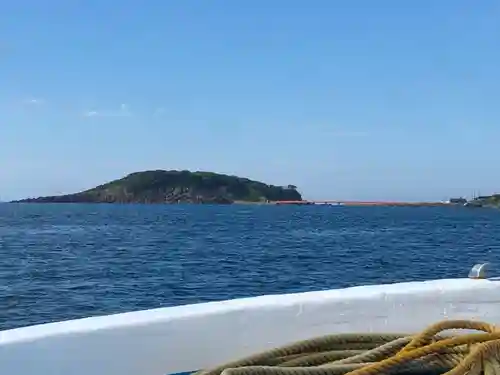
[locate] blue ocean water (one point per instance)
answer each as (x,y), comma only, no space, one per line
(69,261)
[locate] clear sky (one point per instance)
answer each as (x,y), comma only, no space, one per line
(352,99)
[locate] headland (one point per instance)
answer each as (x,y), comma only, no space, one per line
(174,186)
(161,186)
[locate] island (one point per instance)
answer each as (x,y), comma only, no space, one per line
(488,201)
(161,186)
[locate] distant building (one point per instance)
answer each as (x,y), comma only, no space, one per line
(457,201)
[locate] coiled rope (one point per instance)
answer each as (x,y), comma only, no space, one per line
(373,354)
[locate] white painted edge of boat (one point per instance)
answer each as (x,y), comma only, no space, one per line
(165,314)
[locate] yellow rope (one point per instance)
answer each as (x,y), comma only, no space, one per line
(374,354)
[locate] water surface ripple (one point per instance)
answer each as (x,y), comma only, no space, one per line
(69,261)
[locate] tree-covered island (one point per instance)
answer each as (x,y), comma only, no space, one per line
(160,186)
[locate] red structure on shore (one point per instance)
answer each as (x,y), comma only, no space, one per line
(360,203)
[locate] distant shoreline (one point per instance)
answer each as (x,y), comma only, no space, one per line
(366,203)
(270,203)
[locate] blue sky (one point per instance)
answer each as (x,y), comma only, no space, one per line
(355,99)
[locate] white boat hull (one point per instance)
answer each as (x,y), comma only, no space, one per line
(188,338)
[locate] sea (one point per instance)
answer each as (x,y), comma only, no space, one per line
(66,261)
